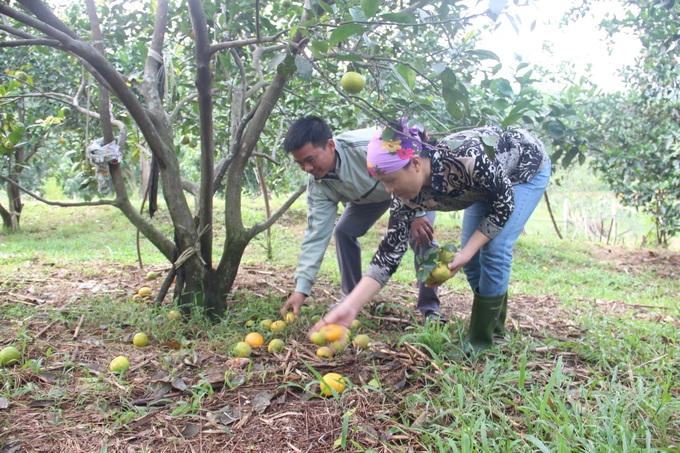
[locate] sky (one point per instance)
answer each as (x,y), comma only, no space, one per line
(580,42)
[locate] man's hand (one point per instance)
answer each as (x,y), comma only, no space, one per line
(422,231)
(294,302)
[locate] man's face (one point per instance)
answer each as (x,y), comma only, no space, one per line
(316,161)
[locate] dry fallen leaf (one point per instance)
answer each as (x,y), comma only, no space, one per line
(190,430)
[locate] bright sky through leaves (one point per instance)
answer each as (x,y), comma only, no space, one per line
(551,42)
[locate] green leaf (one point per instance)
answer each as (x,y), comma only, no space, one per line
(408,75)
(502,87)
(490,140)
(484,54)
(555,129)
(401,18)
(349,57)
(566,161)
(319,46)
(304,67)
(516,113)
(357,14)
(370,7)
(328,8)
(537,443)
(345,31)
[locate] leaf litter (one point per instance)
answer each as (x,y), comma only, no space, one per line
(268,403)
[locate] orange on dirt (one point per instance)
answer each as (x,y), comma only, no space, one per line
(332,332)
(242,349)
(361,341)
(276,345)
(254,339)
(325,352)
(144,291)
(332,380)
(278,326)
(318,338)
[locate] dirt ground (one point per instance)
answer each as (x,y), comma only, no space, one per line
(84,408)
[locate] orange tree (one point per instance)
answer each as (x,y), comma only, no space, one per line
(227,76)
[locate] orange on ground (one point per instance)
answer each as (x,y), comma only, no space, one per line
(278,326)
(318,338)
(332,332)
(325,352)
(254,339)
(332,380)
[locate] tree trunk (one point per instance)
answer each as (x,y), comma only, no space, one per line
(6,218)
(11,216)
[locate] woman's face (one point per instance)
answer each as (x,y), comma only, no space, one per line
(404,183)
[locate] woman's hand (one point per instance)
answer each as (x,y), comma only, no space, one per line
(460,259)
(343,315)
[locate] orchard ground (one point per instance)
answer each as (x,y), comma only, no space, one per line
(591,360)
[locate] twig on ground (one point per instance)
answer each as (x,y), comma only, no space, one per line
(80,323)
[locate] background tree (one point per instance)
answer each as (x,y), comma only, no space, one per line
(634,137)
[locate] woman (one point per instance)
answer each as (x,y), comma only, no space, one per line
(498,194)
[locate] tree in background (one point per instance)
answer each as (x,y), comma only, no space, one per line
(637,149)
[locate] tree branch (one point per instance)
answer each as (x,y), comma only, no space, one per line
(244,42)
(260,227)
(57,203)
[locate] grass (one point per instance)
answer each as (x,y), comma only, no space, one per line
(594,366)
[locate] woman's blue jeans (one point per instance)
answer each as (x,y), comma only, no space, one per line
(488,272)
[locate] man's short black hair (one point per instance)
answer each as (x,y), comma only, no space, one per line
(308,129)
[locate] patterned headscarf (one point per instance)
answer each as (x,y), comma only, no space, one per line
(392,148)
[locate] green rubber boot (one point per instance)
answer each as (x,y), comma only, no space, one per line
(499,330)
(483,321)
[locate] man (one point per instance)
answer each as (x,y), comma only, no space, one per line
(337,173)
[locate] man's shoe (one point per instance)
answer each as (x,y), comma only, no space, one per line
(435,317)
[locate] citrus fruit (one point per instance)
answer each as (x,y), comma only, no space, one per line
(144,291)
(440,273)
(265,323)
(362,341)
(119,365)
(352,82)
(140,339)
(355,325)
(445,256)
(242,349)
(174,315)
(332,332)
(21,75)
(325,352)
(286,4)
(278,326)
(254,339)
(318,338)
(334,381)
(151,276)
(338,345)
(250,323)
(290,317)
(276,345)
(9,356)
